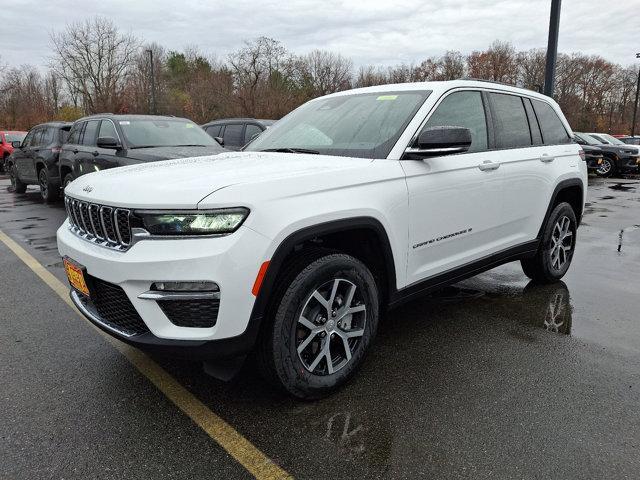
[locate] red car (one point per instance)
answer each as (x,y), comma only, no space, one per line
(6,149)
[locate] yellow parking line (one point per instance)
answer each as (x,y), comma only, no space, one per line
(245,453)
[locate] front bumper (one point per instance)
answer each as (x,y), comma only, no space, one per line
(232,262)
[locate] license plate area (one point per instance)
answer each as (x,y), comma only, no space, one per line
(76,274)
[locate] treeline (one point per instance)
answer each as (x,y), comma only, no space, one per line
(97,68)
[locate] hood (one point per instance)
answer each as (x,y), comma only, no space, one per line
(591,149)
(152,154)
(183,183)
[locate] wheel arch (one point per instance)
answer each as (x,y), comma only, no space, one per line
(571,191)
(315,234)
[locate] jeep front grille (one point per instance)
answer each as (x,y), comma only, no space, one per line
(106,226)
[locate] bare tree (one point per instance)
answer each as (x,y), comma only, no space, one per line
(94,59)
(498,63)
(325,72)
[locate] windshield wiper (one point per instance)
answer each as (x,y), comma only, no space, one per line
(291,150)
(142,146)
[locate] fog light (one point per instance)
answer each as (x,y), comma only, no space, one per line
(185,286)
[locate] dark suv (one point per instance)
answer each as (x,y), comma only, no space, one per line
(235,133)
(105,141)
(34,161)
(615,158)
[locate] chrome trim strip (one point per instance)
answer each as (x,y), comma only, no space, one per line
(158,295)
(93,317)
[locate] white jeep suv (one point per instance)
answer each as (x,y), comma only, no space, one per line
(351,204)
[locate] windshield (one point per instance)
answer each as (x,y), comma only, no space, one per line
(142,133)
(14,136)
(363,125)
(631,141)
(609,139)
(588,139)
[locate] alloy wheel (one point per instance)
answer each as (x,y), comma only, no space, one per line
(44,184)
(605,167)
(330,327)
(561,243)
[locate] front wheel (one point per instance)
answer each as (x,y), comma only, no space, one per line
(48,191)
(16,184)
(606,168)
(555,252)
(323,324)
(68,178)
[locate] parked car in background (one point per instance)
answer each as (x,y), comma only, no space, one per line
(106,140)
(635,140)
(7,137)
(616,158)
(611,140)
(235,133)
(34,161)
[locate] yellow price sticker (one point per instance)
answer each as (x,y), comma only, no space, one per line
(387,97)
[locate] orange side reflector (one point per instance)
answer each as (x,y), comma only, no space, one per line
(258,283)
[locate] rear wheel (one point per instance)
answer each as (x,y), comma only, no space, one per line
(16,185)
(323,324)
(48,191)
(554,255)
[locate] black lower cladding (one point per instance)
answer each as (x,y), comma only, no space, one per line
(191,313)
(111,304)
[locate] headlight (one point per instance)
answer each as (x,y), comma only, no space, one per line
(213,222)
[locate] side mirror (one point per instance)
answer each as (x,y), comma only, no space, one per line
(108,142)
(438,141)
(16,144)
(220,140)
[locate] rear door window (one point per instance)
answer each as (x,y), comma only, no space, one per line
(48,135)
(250,131)
(463,109)
(536,136)
(90,132)
(510,120)
(233,135)
(553,131)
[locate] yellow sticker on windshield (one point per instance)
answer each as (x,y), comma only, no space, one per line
(387,97)
(189,125)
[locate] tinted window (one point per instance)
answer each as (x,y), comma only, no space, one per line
(36,140)
(553,131)
(512,127)
(233,135)
(533,122)
(28,139)
(107,129)
(90,132)
(48,135)
(214,130)
(74,135)
(63,134)
(250,131)
(463,109)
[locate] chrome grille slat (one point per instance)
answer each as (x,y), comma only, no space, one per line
(100,224)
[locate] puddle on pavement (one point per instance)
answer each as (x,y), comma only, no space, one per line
(625,187)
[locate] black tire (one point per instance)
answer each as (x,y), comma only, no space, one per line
(16,185)
(300,374)
(48,191)
(607,168)
(545,266)
(68,178)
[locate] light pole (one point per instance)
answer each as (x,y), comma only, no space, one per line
(153,82)
(552,48)
(635,104)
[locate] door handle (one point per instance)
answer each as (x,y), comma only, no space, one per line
(488,165)
(546,158)
(75,150)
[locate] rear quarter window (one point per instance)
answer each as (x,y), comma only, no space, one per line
(553,131)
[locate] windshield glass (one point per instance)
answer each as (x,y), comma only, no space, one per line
(141,133)
(363,125)
(608,138)
(15,136)
(589,140)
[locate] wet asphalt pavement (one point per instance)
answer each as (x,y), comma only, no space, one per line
(492,378)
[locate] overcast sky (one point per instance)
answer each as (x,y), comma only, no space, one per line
(376,32)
